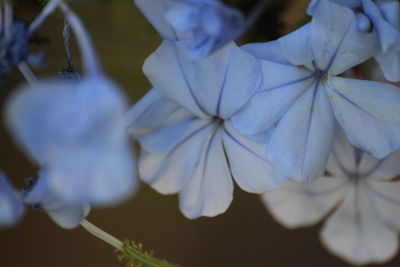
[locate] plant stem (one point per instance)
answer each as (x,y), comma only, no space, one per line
(130,252)
(27,73)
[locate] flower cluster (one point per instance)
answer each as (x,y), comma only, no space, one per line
(261,115)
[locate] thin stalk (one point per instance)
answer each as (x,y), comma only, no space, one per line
(67,49)
(255,14)
(97,232)
(8,18)
(27,73)
(90,60)
(38,21)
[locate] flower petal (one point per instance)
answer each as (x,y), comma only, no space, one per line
(282,86)
(154,11)
(389,36)
(299,204)
(210,190)
(356,233)
(390,65)
(337,43)
(153,111)
(302,141)
(385,196)
(11,208)
(266,51)
(368,112)
(169,172)
(297,46)
(215,86)
(248,162)
(385,169)
(342,160)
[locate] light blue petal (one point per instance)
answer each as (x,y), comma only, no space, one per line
(11,208)
(302,141)
(153,111)
(389,36)
(349,3)
(300,204)
(368,112)
(182,18)
(282,86)
(390,65)
(381,169)
(210,190)
(166,138)
(215,86)
(248,163)
(100,176)
(154,11)
(337,43)
(267,51)
(66,215)
(355,233)
(297,46)
(169,172)
(391,12)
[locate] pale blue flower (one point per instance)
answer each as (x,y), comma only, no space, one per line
(360,199)
(307,102)
(183,124)
(75,130)
(11,207)
(203,26)
(382,16)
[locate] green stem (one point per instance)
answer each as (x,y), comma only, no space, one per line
(129,251)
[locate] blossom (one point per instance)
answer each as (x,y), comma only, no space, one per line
(203,26)
(384,18)
(305,103)
(184,128)
(11,207)
(360,199)
(75,131)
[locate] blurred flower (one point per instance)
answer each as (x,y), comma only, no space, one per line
(362,197)
(384,15)
(75,132)
(11,208)
(203,26)
(306,102)
(183,125)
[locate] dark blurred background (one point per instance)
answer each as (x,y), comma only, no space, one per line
(246,235)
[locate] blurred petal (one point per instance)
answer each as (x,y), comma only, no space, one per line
(384,169)
(342,160)
(337,43)
(297,46)
(302,141)
(282,86)
(66,215)
(154,11)
(210,190)
(356,233)
(299,204)
(11,208)
(168,173)
(389,36)
(248,163)
(386,198)
(368,112)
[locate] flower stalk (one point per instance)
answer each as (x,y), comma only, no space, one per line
(128,251)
